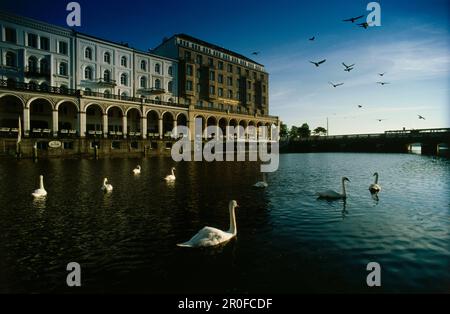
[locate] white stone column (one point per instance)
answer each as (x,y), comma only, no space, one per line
(55,123)
(125,126)
(144,127)
(175,126)
(191,125)
(26,121)
(105,125)
(82,119)
(160,128)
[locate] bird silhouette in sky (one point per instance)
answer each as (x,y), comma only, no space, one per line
(365,25)
(383,83)
(359,106)
(353,19)
(380,120)
(420,117)
(312,38)
(348,68)
(336,85)
(382,74)
(255,53)
(318,63)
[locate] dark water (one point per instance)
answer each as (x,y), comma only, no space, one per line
(288,241)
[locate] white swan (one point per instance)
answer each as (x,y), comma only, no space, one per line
(170,177)
(41,192)
(209,236)
(137,170)
(106,187)
(261,184)
(375,187)
(333,195)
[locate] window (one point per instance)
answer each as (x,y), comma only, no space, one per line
(143,82)
(210,62)
(210,105)
(124,79)
(189,70)
(10,59)
(187,55)
(220,65)
(264,100)
(239,70)
(189,85)
(62,47)
(124,61)
(229,81)
(88,73)
(157,68)
(87,91)
(199,59)
(212,90)
(238,95)
(106,94)
(107,76)
(158,84)
(10,35)
(212,75)
(254,75)
(32,40)
(249,85)
(249,97)
(264,88)
(88,53)
(63,68)
(220,92)
(107,57)
(45,43)
(170,87)
(32,64)
(220,78)
(230,94)
(198,88)
(199,74)
(170,71)
(230,68)
(143,65)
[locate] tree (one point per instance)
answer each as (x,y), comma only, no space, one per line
(304,130)
(293,133)
(283,130)
(320,131)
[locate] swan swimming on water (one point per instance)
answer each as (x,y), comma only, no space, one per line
(333,195)
(170,177)
(41,192)
(137,170)
(261,184)
(106,187)
(209,236)
(375,187)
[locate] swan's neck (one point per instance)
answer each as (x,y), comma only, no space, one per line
(41,182)
(173,174)
(233,228)
(104,182)
(343,188)
(376,178)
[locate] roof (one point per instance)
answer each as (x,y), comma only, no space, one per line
(213,46)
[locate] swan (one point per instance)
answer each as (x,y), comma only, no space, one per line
(261,184)
(170,177)
(137,170)
(209,236)
(333,195)
(41,192)
(106,187)
(375,187)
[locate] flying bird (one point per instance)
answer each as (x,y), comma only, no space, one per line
(379,120)
(365,25)
(255,53)
(383,83)
(318,63)
(348,68)
(336,85)
(312,38)
(353,19)
(382,74)
(420,117)
(359,106)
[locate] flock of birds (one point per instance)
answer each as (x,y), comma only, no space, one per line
(374,188)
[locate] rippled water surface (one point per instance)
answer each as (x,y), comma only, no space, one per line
(288,241)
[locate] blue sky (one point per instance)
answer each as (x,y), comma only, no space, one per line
(412,46)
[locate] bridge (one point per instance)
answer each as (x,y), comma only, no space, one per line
(431,141)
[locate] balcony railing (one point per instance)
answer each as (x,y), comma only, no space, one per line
(37,72)
(37,88)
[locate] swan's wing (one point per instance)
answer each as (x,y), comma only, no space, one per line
(207,236)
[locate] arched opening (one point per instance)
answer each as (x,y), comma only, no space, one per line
(115,119)
(181,121)
(167,124)
(233,123)
(152,124)
(212,121)
(415,148)
(202,121)
(32,65)
(443,149)
(94,119)
(68,123)
(41,112)
(223,126)
(134,122)
(11,109)
(243,124)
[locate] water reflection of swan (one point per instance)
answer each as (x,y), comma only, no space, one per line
(209,236)
(106,187)
(137,170)
(170,177)
(333,195)
(375,188)
(261,184)
(41,192)
(344,209)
